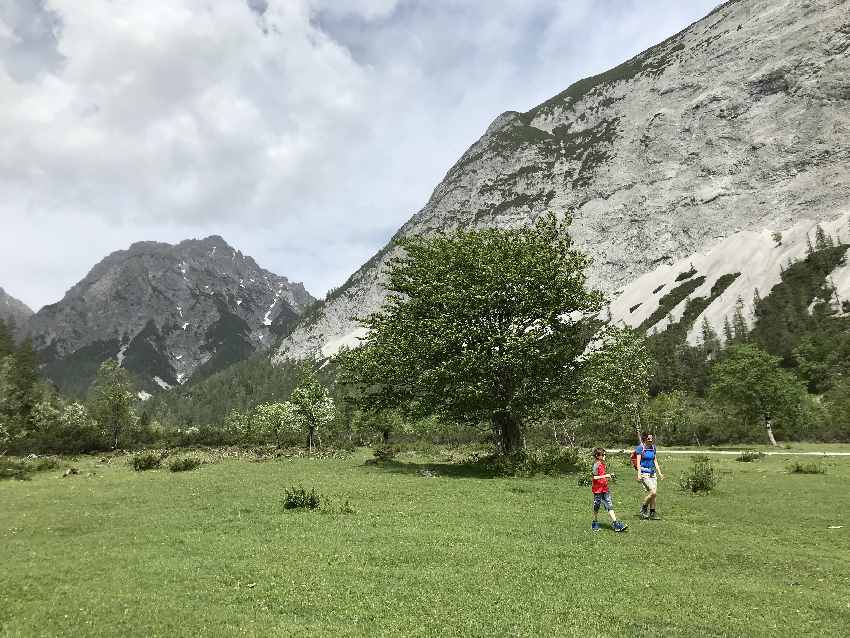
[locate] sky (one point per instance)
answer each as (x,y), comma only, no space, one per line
(304,132)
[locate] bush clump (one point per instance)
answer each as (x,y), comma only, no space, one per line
(385,453)
(748,456)
(815,467)
(551,460)
(186,464)
(11,469)
(146,461)
(701,477)
(297,497)
(23,468)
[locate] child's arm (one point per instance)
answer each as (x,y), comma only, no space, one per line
(658,468)
(602,476)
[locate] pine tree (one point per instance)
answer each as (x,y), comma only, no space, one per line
(727,330)
(740,329)
(7,342)
(822,240)
(710,341)
(26,375)
(756,312)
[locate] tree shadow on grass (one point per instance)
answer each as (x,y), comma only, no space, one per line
(447,470)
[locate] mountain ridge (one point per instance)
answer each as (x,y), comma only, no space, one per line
(736,124)
(15,311)
(166,312)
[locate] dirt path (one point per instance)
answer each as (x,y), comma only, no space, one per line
(663,451)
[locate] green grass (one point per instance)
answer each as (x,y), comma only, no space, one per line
(213,553)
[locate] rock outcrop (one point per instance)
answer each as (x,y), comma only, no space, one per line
(14,311)
(167,313)
(738,124)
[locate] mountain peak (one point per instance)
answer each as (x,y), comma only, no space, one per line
(167,313)
(739,123)
(14,310)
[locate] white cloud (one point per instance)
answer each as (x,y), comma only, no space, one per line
(303,131)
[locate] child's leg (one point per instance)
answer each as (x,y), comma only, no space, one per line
(609,506)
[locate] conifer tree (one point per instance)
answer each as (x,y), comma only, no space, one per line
(7,342)
(727,330)
(822,240)
(710,341)
(740,330)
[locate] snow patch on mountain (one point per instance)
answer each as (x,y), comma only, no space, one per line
(350,340)
(757,255)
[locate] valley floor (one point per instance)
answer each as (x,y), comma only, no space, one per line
(212,552)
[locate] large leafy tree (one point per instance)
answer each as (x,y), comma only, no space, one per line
(615,384)
(479,326)
(752,383)
(312,408)
(111,401)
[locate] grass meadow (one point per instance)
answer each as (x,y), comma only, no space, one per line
(212,552)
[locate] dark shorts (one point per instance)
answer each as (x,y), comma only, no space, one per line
(603,499)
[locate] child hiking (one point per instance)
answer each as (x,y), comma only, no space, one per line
(601,493)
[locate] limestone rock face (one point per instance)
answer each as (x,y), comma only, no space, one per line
(13,310)
(167,313)
(738,124)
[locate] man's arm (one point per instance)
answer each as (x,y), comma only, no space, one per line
(638,466)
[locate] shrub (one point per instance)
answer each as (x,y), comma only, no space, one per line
(10,469)
(298,497)
(385,452)
(552,459)
(146,461)
(815,467)
(186,464)
(748,456)
(701,477)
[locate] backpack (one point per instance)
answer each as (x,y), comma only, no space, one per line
(633,456)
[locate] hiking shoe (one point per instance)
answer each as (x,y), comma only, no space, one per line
(654,516)
(644,514)
(594,527)
(619,526)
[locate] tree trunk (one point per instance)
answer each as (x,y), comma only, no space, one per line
(769,427)
(508,429)
(637,429)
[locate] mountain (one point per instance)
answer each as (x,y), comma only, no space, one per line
(693,153)
(167,313)
(12,310)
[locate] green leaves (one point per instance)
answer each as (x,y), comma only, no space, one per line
(111,401)
(615,385)
(751,381)
(477,323)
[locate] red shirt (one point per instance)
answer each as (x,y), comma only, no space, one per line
(599,486)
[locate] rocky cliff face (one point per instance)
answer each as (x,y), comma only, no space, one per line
(14,311)
(737,126)
(166,313)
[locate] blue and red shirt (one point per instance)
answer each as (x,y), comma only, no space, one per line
(647,459)
(599,486)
